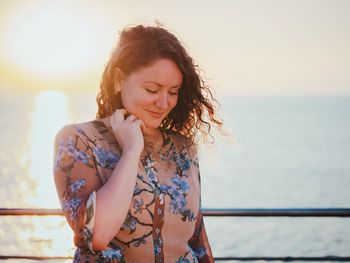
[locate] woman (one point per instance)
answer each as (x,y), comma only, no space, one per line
(129,181)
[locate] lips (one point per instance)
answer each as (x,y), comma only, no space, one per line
(156,114)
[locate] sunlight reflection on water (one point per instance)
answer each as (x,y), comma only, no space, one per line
(49,114)
(45,235)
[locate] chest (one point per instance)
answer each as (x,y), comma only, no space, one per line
(167,173)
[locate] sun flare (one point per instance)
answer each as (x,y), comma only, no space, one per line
(51,45)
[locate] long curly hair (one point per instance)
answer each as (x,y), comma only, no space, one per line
(140,46)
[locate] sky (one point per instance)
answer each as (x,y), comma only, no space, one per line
(242,46)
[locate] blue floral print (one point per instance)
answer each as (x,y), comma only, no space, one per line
(75,153)
(137,189)
(105,159)
(200,252)
(157,246)
(180,185)
(183,260)
(130,223)
(149,166)
(77,185)
(177,191)
(182,162)
(177,204)
(152,202)
(71,206)
(111,253)
(138,204)
(72,151)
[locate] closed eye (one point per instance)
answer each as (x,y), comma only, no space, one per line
(151,91)
(173,93)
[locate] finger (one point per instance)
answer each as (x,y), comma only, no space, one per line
(127,114)
(119,115)
(141,123)
(121,111)
(117,118)
(131,118)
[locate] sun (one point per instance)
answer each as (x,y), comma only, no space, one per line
(50,40)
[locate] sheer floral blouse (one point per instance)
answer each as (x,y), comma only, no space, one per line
(164,222)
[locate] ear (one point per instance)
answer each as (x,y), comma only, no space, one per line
(118,79)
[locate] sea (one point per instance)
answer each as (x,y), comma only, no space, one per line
(274,152)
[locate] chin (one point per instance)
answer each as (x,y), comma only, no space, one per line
(152,125)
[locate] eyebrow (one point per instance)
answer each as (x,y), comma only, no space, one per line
(160,85)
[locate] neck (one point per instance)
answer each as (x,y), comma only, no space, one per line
(153,135)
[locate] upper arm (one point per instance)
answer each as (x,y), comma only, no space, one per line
(76,179)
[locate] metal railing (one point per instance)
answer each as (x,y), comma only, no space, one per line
(229,212)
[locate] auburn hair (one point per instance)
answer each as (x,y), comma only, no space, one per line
(140,46)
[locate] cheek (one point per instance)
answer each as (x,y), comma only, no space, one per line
(136,104)
(125,101)
(131,98)
(144,101)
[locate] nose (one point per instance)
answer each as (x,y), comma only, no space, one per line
(162,101)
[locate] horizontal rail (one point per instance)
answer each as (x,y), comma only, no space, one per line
(279,212)
(217,212)
(325,258)
(30,212)
(2,257)
(317,259)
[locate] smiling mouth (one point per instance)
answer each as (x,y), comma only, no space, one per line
(156,114)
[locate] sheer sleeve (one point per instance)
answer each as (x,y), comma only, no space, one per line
(199,242)
(76,178)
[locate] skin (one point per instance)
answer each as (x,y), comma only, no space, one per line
(148,95)
(150,90)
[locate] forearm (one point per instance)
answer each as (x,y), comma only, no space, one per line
(113,200)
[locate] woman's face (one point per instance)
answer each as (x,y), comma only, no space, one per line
(150,93)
